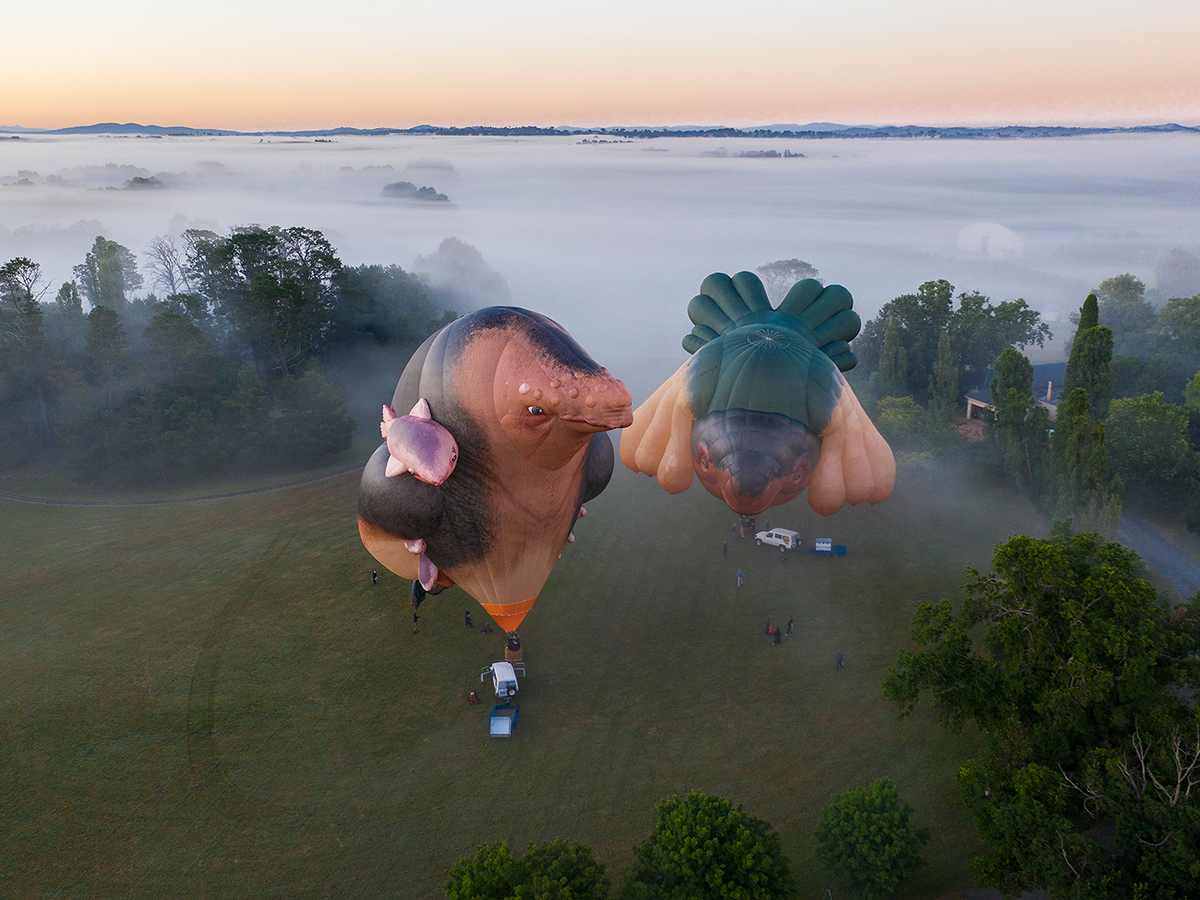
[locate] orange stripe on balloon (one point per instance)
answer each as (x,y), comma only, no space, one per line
(509,616)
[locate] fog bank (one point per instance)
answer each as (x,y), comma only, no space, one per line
(613,238)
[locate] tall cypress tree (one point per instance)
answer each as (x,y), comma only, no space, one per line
(1090,364)
(943,383)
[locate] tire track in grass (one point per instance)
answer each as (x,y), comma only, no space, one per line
(210,787)
(204,756)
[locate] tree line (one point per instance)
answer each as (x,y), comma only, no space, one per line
(704,847)
(226,371)
(1127,421)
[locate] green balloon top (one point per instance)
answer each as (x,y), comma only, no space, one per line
(747,355)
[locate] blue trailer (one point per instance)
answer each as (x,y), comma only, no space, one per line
(503,719)
(826,547)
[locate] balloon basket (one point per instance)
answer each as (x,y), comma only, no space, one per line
(513,652)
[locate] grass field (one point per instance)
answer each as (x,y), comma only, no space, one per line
(211,699)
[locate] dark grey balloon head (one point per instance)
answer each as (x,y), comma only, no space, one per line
(753,460)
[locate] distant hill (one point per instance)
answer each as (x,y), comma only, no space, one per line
(812,130)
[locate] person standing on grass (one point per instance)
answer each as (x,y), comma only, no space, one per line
(725,549)
(838,660)
(374,576)
(467,618)
(789,627)
(415,617)
(778,637)
(767,630)
(741,575)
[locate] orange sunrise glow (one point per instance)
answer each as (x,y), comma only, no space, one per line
(276,65)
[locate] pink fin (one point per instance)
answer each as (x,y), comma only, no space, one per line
(421,409)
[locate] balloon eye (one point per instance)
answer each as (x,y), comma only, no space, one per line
(535,410)
(453,457)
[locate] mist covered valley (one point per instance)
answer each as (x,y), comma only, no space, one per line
(612,239)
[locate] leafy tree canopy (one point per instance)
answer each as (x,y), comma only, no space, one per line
(554,870)
(865,837)
(1125,309)
(1148,443)
(704,848)
(978,331)
(779,276)
(1075,685)
(107,274)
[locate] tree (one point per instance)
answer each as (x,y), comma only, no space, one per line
(107,273)
(902,422)
(1148,445)
(1085,489)
(25,361)
(943,383)
(66,325)
(978,332)
(460,278)
(1090,364)
(1076,687)
(20,309)
(178,353)
(165,260)
(1179,324)
(106,347)
(383,305)
(703,847)
(779,276)
(892,377)
(919,320)
(1123,308)
(1134,376)
(554,870)
(1021,425)
(313,423)
(1191,394)
(865,838)
(274,290)
(247,431)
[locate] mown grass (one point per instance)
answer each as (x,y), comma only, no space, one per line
(211,699)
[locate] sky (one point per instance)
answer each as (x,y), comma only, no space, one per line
(306,64)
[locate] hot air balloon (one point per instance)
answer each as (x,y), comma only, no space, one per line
(761,410)
(481,483)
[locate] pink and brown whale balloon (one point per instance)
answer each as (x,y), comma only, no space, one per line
(481,483)
(761,411)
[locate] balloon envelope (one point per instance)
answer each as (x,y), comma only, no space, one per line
(528,410)
(761,410)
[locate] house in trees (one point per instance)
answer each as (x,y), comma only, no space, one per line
(1048,379)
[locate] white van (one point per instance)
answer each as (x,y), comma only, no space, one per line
(783,538)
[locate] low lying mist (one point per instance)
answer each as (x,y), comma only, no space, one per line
(613,239)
